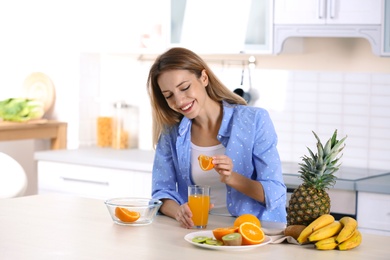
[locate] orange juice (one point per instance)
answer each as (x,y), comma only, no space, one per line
(199,205)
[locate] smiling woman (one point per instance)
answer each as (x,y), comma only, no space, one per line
(195,113)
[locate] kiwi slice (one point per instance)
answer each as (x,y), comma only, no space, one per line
(232,239)
(213,242)
(200,239)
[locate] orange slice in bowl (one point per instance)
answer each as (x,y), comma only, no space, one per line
(205,162)
(126,215)
(251,233)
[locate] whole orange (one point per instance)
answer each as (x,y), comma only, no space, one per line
(247,218)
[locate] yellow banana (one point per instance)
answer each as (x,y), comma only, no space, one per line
(318,223)
(350,224)
(327,243)
(351,242)
(326,232)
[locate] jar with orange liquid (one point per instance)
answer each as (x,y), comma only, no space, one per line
(124,126)
(199,203)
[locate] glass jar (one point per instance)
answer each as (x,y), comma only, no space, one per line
(124,126)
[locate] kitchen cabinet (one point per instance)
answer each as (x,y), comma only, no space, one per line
(222,27)
(92,182)
(327,12)
(374,212)
(328,18)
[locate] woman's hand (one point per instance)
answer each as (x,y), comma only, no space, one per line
(184,216)
(224,166)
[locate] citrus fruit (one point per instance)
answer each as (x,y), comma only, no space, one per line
(220,232)
(126,215)
(247,218)
(205,162)
(251,233)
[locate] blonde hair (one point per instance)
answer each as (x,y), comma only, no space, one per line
(181,59)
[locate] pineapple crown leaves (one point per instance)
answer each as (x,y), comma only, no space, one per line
(318,169)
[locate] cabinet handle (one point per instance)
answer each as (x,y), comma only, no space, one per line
(321,9)
(104,183)
(332,9)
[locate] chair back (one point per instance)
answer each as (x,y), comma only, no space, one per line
(13,179)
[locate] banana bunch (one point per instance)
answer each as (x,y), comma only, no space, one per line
(327,234)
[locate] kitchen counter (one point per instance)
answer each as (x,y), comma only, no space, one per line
(349,178)
(69,227)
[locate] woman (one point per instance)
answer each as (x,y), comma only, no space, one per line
(194,113)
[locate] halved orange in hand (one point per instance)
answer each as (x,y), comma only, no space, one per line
(220,232)
(205,162)
(251,233)
(126,215)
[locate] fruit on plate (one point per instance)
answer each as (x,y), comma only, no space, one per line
(251,233)
(318,223)
(294,231)
(247,218)
(310,200)
(233,239)
(205,162)
(223,231)
(126,215)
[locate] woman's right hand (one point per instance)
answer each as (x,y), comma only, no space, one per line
(184,216)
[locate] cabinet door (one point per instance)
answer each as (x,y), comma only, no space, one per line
(373,211)
(93,182)
(354,12)
(312,12)
(299,11)
(220,26)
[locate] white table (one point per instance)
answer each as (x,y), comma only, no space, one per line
(67,227)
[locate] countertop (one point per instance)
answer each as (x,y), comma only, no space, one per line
(348,178)
(68,227)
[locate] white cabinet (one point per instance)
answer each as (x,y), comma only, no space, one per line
(222,27)
(373,212)
(327,12)
(328,18)
(93,182)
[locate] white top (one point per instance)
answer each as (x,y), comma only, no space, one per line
(210,178)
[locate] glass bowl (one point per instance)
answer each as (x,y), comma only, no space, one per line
(147,209)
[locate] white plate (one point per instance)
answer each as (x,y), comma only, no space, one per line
(209,233)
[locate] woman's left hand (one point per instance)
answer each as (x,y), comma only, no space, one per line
(224,166)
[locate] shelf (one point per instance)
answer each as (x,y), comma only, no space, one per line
(37,129)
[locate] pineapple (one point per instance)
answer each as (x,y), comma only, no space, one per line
(310,200)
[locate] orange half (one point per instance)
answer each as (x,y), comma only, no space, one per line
(220,232)
(205,162)
(126,215)
(251,233)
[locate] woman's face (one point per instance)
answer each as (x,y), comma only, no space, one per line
(183,91)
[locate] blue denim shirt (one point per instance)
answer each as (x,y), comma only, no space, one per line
(250,140)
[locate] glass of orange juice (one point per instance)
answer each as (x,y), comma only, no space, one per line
(199,203)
